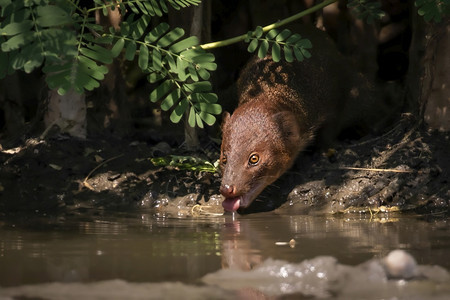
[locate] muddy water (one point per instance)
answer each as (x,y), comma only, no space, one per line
(142,256)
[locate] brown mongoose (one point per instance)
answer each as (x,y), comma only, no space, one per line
(282,108)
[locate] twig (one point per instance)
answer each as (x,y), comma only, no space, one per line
(85,183)
(378,170)
(269,27)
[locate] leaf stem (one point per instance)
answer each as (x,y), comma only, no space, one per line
(269,27)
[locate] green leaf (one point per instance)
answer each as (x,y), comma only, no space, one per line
(156,59)
(276,55)
(288,55)
(92,69)
(171,61)
(258,32)
(199,121)
(201,86)
(117,48)
(306,53)
(161,91)
(193,72)
(156,8)
(130,52)
(170,100)
(204,98)
(184,44)
(170,37)
(210,108)
(294,38)
(304,43)
(16,28)
(208,66)
(98,53)
(191,118)
(262,52)
(139,27)
(283,35)
(143,57)
(179,110)
(204,57)
(272,34)
(298,54)
(157,32)
(204,74)
(163,5)
(252,46)
(208,118)
(155,77)
(52,15)
(181,69)
(18,41)
(34,61)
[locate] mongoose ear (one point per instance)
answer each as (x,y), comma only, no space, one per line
(289,128)
(225,117)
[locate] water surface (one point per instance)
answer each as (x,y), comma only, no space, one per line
(135,252)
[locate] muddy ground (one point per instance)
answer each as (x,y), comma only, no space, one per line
(407,168)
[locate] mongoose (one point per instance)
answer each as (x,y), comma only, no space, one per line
(282,108)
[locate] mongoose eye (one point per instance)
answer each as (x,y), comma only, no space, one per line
(223,159)
(254,159)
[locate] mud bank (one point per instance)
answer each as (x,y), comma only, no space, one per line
(407,168)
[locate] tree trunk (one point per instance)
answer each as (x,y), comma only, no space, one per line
(196,21)
(68,112)
(428,90)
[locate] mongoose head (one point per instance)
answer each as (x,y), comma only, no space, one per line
(258,145)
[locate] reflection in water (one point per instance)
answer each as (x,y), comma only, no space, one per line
(144,248)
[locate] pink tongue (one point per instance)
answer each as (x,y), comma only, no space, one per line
(231,204)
